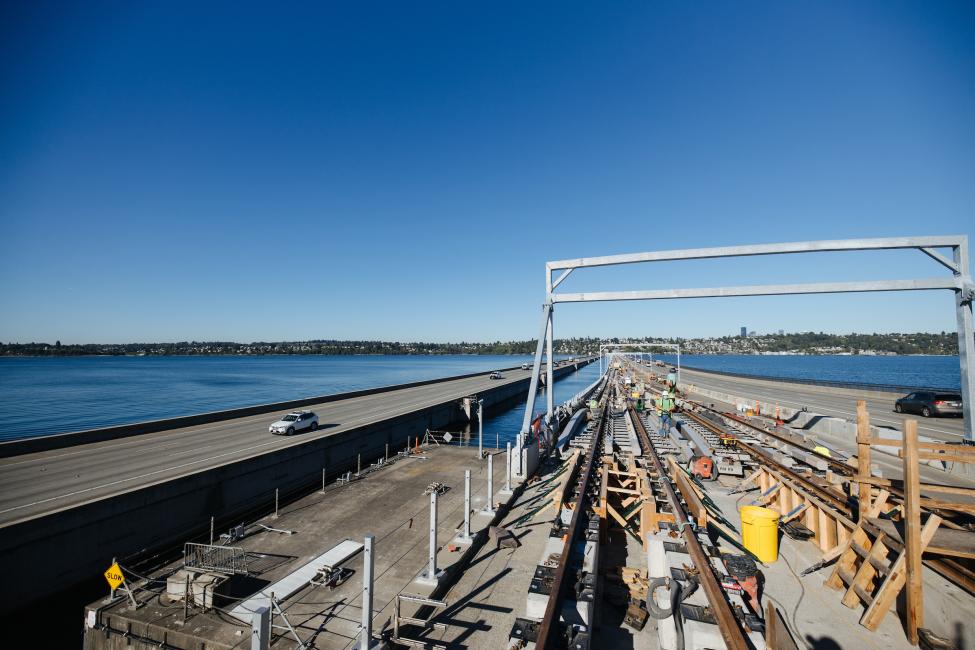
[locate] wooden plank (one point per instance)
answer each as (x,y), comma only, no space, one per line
(777,635)
(946,541)
(863,458)
(866,572)
(887,594)
(912,535)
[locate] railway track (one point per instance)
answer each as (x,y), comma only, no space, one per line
(731,631)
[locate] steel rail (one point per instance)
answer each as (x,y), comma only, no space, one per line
(547,629)
(731,631)
(834,499)
(950,568)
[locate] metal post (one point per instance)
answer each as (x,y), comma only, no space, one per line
(275,503)
(323,480)
(507,470)
(489,507)
(536,371)
(211,530)
(431,576)
(465,536)
(549,374)
(480,429)
(386,456)
(963,317)
(368,566)
(358,467)
(261,629)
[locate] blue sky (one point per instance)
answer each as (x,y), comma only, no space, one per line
(247,171)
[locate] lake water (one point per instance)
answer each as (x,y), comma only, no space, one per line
(43,395)
(906,371)
(52,395)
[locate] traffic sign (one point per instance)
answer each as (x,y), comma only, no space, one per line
(447,437)
(114,576)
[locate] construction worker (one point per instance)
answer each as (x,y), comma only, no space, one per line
(672,378)
(665,406)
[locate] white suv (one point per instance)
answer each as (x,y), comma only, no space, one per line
(296,421)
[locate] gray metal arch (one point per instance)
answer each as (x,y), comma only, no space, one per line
(959,282)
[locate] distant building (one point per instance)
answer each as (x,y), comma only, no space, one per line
(752,333)
(781,332)
(744,332)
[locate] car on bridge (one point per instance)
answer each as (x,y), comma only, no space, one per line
(497,375)
(930,403)
(292,422)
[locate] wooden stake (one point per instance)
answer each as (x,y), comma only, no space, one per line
(863,457)
(912,531)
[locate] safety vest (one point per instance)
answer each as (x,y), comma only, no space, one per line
(666,403)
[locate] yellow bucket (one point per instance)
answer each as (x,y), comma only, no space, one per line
(760,532)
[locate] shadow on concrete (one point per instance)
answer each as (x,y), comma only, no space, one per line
(467,601)
(822,643)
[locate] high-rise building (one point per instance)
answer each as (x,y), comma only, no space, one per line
(744,332)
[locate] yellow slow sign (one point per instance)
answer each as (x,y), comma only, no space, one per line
(114,576)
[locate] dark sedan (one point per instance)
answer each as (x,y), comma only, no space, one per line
(929,403)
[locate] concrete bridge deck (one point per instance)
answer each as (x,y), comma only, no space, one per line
(36,484)
(827,400)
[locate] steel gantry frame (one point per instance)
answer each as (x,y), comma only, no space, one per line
(960,283)
(610,346)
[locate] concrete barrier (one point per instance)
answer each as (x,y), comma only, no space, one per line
(57,551)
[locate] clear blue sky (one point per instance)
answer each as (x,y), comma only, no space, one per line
(404,170)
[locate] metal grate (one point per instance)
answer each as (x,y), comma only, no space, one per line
(225,559)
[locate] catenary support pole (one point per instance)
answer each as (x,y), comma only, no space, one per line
(368,567)
(430,577)
(465,535)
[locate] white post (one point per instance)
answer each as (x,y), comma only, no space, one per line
(261,629)
(465,536)
(489,507)
(507,469)
(430,577)
(368,567)
(480,429)
(963,319)
(549,376)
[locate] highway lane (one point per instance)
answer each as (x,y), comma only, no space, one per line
(35,484)
(826,400)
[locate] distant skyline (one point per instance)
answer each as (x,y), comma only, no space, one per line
(176,172)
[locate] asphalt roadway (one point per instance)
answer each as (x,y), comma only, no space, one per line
(826,400)
(33,485)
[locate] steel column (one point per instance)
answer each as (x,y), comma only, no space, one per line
(963,318)
(549,374)
(480,429)
(536,371)
(489,506)
(465,536)
(431,575)
(368,569)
